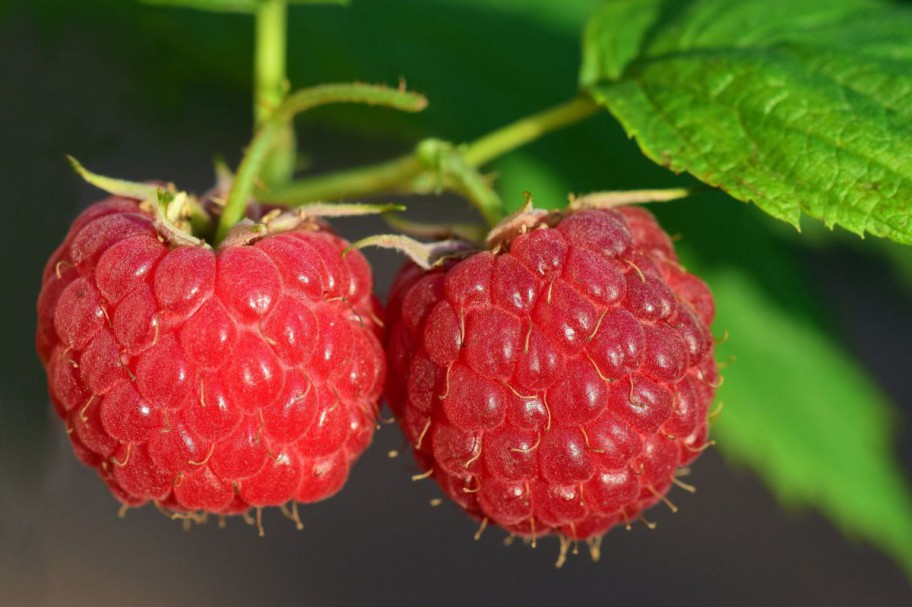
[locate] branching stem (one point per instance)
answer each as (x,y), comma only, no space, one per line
(257,152)
(404,174)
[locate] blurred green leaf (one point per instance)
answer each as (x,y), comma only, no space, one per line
(509,46)
(799,106)
(801,413)
(232,6)
(215,6)
(522,172)
(336,2)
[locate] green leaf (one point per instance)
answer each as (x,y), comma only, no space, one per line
(799,106)
(605,55)
(798,411)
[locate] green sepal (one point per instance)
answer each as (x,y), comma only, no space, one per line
(118,187)
(425,255)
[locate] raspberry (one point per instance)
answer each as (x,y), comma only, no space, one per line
(213,381)
(555,383)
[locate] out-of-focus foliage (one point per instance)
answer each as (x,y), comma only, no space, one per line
(233,6)
(804,416)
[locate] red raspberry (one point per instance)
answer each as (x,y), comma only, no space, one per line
(555,383)
(207,380)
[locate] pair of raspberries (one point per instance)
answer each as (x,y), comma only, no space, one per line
(552,384)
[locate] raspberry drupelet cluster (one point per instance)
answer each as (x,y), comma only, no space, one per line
(210,380)
(555,383)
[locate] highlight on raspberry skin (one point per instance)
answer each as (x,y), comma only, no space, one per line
(557,382)
(211,381)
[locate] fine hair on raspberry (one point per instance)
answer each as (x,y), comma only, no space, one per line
(210,380)
(557,381)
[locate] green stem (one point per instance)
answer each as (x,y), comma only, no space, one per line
(526,130)
(271,85)
(257,153)
(386,177)
(448,165)
(401,174)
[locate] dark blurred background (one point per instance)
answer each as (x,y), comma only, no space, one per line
(143,92)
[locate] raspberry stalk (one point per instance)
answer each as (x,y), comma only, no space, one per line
(271,86)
